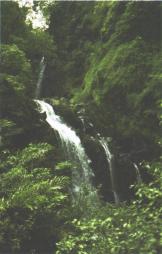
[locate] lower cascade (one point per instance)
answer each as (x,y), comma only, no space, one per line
(71,144)
(104,143)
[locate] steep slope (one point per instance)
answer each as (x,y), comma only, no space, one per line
(109,60)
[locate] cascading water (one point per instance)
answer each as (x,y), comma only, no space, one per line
(41,74)
(71,144)
(104,143)
(138,174)
(83,123)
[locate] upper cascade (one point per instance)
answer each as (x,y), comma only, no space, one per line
(71,144)
(40,78)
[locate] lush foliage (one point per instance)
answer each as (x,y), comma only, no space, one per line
(110,61)
(33,196)
(103,64)
(125,229)
(33,201)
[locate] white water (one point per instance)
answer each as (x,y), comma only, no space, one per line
(104,143)
(41,74)
(138,174)
(71,144)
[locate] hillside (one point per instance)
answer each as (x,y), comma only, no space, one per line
(80,128)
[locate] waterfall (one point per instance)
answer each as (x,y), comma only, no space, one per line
(138,174)
(71,144)
(83,123)
(40,78)
(104,143)
(1,143)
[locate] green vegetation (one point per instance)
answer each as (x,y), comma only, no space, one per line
(125,229)
(33,201)
(104,64)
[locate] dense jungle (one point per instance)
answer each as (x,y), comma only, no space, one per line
(80,127)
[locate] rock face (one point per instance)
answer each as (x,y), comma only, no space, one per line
(124,172)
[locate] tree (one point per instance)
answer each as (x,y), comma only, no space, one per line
(33,202)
